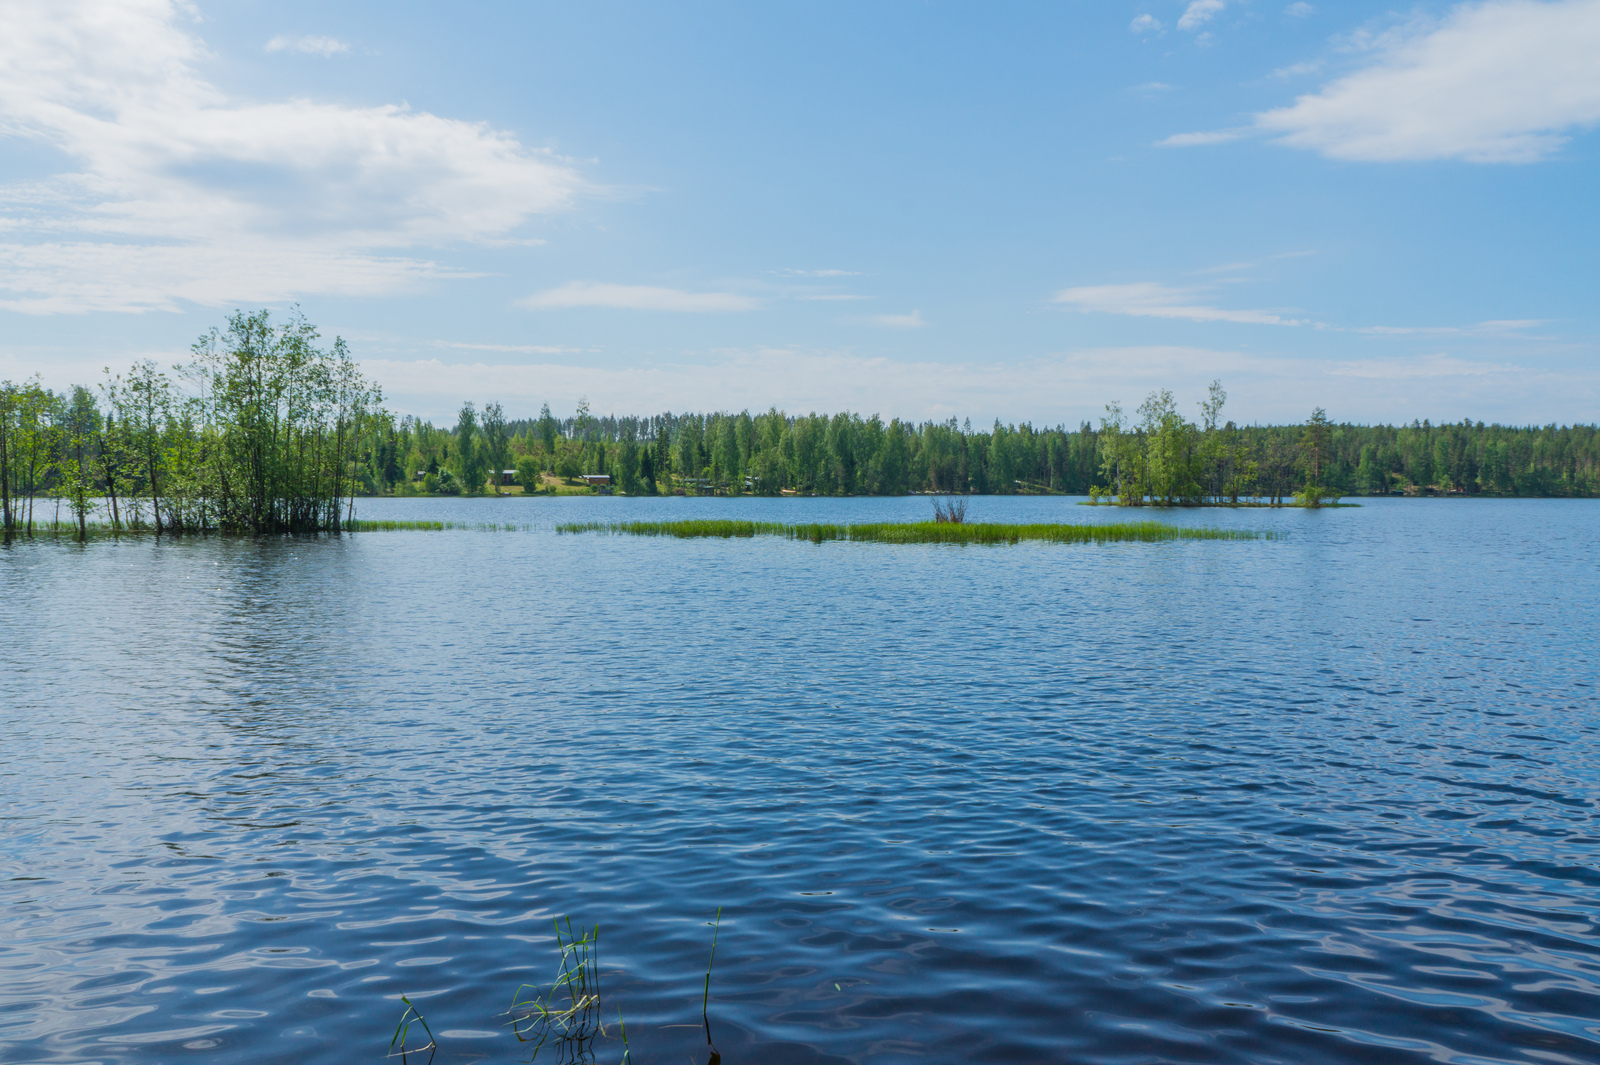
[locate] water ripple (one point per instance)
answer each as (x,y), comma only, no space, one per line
(1331,798)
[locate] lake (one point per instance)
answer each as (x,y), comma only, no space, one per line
(1330,798)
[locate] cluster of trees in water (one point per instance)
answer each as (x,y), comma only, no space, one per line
(265,431)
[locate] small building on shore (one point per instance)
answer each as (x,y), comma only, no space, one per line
(597,480)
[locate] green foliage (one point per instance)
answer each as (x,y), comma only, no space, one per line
(469,465)
(266,431)
(496,450)
(269,442)
(529,471)
(569,466)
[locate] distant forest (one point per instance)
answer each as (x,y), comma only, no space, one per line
(266,432)
(1153,456)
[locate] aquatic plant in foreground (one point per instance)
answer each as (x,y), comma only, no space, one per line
(568,1013)
(923,532)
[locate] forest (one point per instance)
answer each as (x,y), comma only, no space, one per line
(264,431)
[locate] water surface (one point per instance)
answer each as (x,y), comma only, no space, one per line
(1326,799)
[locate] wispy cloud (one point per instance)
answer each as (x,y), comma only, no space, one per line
(1297,70)
(1420,366)
(1199,12)
(1497,82)
(1508,327)
(1145,24)
(1503,81)
(179,192)
(1064,387)
(841,296)
(53,277)
(519,349)
(899,321)
(1194,140)
(1301,9)
(1251,264)
(817,273)
(307,45)
(635,298)
(1149,299)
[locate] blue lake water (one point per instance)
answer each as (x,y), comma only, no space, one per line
(1331,798)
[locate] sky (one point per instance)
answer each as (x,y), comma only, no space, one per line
(918,209)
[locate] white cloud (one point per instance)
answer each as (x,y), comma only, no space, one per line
(1145,24)
(76,276)
(831,296)
(1064,387)
(1299,10)
(1297,70)
(1420,366)
(1251,264)
(818,273)
(1200,12)
(1210,136)
(634,298)
(1504,81)
(518,349)
(1149,299)
(179,192)
(307,45)
(1508,327)
(899,321)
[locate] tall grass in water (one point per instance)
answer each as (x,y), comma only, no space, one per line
(681,529)
(397,1045)
(924,532)
(106,528)
(569,1013)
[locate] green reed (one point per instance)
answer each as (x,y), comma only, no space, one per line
(566,1015)
(355,525)
(397,1045)
(681,529)
(569,1011)
(924,532)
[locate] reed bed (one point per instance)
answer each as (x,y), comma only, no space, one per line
(105,528)
(922,532)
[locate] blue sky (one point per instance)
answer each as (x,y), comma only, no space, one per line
(1021,210)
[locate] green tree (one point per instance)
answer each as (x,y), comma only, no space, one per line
(549,430)
(528,469)
(496,441)
(469,457)
(1314,441)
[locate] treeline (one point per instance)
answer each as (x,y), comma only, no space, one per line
(262,432)
(1152,456)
